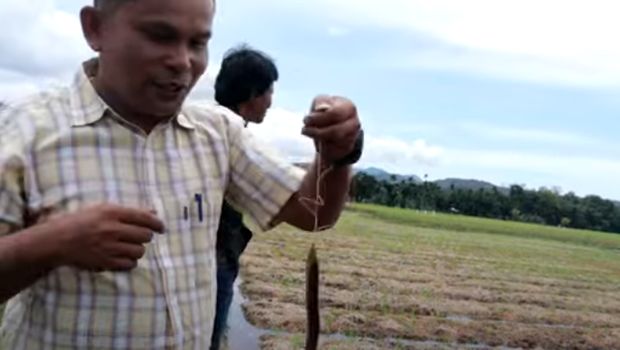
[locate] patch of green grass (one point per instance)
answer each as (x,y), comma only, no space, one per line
(298,341)
(485,245)
(426,293)
(465,224)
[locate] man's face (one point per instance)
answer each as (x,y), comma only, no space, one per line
(152,52)
(259,106)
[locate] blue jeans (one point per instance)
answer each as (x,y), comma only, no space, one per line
(226,275)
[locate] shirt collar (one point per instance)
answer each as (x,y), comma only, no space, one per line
(186,121)
(86,105)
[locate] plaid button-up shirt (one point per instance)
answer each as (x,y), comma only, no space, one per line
(63,150)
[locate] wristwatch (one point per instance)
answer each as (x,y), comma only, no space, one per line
(355,154)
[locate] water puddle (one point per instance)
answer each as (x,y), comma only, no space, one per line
(241,334)
(459,318)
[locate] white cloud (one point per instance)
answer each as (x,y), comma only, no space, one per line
(337,31)
(550,41)
(391,152)
(537,69)
(531,135)
(282,130)
(40,40)
(40,44)
(516,160)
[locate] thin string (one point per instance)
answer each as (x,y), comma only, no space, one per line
(313,205)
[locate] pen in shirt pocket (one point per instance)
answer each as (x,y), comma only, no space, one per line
(198,200)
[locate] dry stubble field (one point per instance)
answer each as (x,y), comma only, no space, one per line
(397,279)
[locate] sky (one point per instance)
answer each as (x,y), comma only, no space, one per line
(511,92)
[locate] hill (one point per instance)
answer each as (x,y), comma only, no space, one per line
(383,175)
(445,184)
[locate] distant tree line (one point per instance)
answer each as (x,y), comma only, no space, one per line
(543,206)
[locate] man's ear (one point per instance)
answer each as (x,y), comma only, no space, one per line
(91,20)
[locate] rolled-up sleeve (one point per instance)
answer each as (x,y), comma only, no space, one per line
(12,201)
(261,181)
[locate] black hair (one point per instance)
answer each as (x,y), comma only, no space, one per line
(245,73)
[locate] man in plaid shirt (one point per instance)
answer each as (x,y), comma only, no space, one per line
(111,188)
